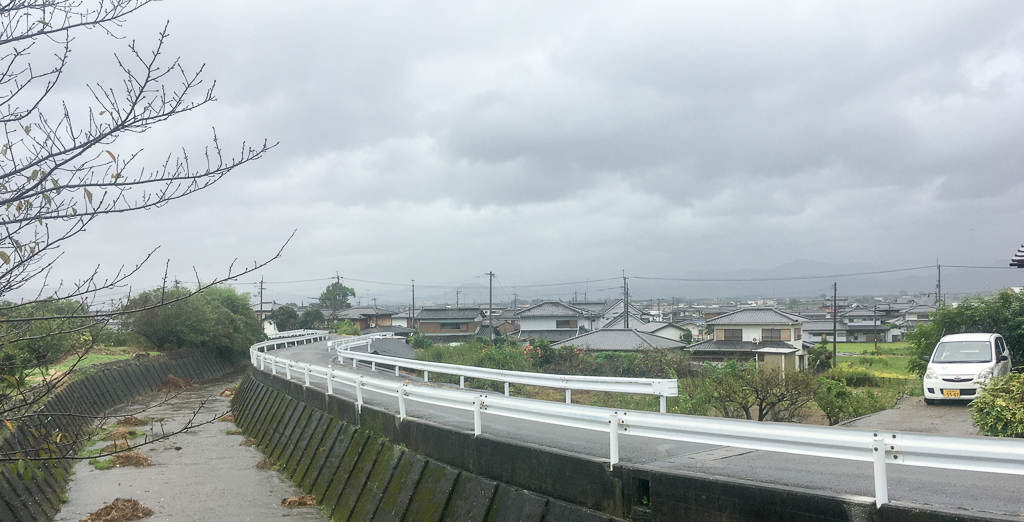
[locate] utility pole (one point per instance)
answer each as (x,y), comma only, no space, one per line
(490,303)
(938,284)
(261,301)
(457,292)
(412,313)
(874,319)
(835,317)
(625,301)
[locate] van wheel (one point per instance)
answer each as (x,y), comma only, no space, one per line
(929,402)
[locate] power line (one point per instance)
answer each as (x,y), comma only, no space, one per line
(796,277)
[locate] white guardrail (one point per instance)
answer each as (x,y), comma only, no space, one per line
(663,388)
(981,454)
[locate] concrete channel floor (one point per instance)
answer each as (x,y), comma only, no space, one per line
(980,493)
(200,475)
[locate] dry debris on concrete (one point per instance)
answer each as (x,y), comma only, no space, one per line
(266,464)
(120,510)
(306,500)
(132,421)
(249,442)
(228,417)
(174,384)
(131,458)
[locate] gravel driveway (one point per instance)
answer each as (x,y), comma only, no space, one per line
(912,414)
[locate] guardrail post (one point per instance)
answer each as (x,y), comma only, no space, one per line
(396,370)
(401,402)
(506,389)
(263,363)
(354,361)
(330,381)
(273,367)
(359,394)
(306,371)
(477,426)
(288,370)
(426,376)
(373,366)
(568,396)
(613,435)
(881,481)
(664,403)
(462,381)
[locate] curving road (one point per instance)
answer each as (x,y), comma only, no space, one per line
(978,493)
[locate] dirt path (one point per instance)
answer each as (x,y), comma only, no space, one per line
(200,475)
(912,414)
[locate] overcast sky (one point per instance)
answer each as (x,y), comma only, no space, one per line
(568,141)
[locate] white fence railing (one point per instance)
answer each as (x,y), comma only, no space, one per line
(663,388)
(348,343)
(982,454)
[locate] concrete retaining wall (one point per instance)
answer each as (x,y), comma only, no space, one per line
(72,410)
(369,465)
(360,470)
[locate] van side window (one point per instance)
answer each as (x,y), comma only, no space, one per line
(1000,346)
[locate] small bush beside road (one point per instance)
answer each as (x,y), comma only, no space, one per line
(999,410)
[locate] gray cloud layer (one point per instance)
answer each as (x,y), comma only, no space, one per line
(546,142)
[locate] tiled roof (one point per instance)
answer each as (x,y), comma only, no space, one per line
(756,316)
(822,326)
(551,336)
(398,330)
(363,311)
(654,326)
(619,341)
(434,314)
(552,309)
(394,347)
(712,345)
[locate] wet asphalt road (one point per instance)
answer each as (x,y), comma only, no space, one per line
(980,493)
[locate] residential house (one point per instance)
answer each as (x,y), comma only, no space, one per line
(553,321)
(815,332)
(366,316)
(768,335)
(697,327)
(913,316)
(450,325)
(666,330)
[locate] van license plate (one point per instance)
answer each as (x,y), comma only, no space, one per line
(950,393)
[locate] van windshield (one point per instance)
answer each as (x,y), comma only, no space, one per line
(963,352)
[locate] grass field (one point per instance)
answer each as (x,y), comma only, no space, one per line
(99,354)
(883,348)
(880,364)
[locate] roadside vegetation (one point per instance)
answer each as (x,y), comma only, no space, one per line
(860,384)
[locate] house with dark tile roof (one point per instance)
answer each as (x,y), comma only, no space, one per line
(553,321)
(450,325)
(366,316)
(768,335)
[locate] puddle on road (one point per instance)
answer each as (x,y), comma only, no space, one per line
(203,474)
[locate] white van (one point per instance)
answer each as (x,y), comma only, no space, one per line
(960,363)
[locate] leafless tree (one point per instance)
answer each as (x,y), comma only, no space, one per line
(58,172)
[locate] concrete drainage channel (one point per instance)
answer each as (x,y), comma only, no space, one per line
(71,410)
(203,474)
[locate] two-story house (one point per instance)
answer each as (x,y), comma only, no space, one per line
(771,336)
(450,325)
(553,321)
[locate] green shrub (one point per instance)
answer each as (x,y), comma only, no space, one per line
(840,403)
(999,409)
(345,327)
